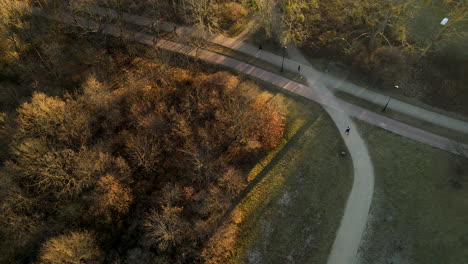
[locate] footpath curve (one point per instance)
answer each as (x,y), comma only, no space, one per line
(354,219)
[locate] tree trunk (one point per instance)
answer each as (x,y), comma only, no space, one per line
(434,40)
(426,49)
(380,29)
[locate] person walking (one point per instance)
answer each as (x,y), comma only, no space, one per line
(260,47)
(299,68)
(347,130)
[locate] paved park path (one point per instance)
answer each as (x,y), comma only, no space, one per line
(353,222)
(289,64)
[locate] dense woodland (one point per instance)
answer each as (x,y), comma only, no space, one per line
(146,167)
(116,153)
(109,157)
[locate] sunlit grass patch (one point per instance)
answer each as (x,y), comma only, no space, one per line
(299,190)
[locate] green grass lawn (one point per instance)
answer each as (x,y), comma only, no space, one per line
(424,24)
(293,211)
(419,213)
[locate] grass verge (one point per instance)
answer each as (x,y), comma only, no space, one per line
(419,212)
(292,212)
(442,131)
(397,93)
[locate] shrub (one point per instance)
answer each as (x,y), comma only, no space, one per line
(230,13)
(221,244)
(232,181)
(271,125)
(387,61)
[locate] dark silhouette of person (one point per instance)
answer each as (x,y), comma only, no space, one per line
(347,130)
(260,47)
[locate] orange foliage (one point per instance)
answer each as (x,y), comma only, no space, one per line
(75,247)
(272,123)
(111,196)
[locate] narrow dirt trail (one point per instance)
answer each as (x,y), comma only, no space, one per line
(355,215)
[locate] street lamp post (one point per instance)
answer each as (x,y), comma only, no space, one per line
(385,107)
(282,62)
(389,98)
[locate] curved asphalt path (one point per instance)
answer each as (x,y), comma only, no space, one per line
(353,222)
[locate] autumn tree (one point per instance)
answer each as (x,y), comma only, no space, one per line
(294,26)
(53,117)
(272,126)
(144,152)
(60,172)
(71,248)
(13,23)
(265,12)
(199,12)
(110,198)
(165,229)
(49,145)
(386,14)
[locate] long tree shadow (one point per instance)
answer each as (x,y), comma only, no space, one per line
(278,157)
